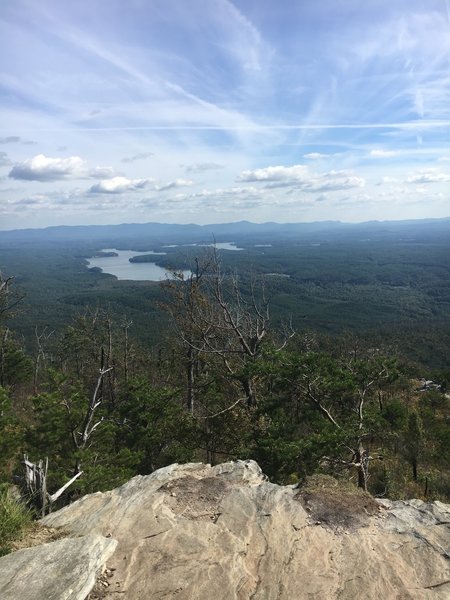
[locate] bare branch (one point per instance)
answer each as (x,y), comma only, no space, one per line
(222,411)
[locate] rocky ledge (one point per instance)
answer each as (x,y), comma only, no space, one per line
(200,532)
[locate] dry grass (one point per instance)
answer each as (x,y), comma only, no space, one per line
(336,503)
(37,534)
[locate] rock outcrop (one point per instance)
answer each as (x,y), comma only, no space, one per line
(66,569)
(199,532)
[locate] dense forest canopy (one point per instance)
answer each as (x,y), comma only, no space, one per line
(304,350)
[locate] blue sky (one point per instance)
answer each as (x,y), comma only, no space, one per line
(211,111)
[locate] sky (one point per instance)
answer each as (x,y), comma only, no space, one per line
(212,111)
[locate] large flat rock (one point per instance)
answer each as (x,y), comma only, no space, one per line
(65,569)
(200,532)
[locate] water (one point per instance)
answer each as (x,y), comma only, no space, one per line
(217,245)
(122,268)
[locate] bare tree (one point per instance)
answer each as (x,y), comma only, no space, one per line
(219,322)
(41,337)
(9,298)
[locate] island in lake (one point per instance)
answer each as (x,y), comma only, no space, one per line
(102,254)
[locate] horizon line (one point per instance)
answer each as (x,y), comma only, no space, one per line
(384,221)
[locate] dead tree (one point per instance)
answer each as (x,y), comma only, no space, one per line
(40,357)
(90,423)
(217,323)
(34,483)
(9,299)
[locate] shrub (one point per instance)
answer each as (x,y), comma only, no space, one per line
(14,519)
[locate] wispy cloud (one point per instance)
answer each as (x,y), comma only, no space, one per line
(16,139)
(174,184)
(135,157)
(316,156)
(215,89)
(201,167)
(380,153)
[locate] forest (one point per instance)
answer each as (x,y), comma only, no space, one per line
(312,349)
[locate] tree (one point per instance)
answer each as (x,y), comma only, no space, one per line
(11,434)
(413,442)
(76,422)
(221,329)
(9,298)
(342,389)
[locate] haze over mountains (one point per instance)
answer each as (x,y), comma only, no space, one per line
(412,230)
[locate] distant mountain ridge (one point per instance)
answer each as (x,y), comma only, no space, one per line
(166,232)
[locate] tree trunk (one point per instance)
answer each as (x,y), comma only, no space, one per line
(362,459)
(190,372)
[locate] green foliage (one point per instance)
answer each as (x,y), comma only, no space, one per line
(15,365)
(154,428)
(11,435)
(318,401)
(14,519)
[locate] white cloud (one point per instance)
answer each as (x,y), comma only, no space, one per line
(274,174)
(380,153)
(37,200)
(220,199)
(44,168)
(428,176)
(316,155)
(102,173)
(200,167)
(174,184)
(118,185)
(300,177)
(388,180)
(140,156)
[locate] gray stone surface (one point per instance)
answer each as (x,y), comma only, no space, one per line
(200,532)
(65,569)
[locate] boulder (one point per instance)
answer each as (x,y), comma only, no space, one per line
(65,569)
(200,532)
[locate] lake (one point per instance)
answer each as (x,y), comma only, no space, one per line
(120,266)
(217,246)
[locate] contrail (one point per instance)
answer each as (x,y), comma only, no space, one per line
(447,8)
(420,124)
